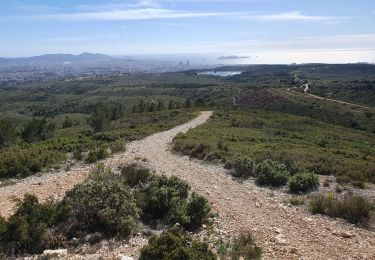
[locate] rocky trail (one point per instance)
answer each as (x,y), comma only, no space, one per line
(283,232)
(353,106)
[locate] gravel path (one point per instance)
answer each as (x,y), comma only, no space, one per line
(283,232)
(289,91)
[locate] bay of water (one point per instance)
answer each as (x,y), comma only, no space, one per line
(220,73)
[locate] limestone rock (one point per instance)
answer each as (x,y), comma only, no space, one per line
(56,252)
(344,234)
(279,239)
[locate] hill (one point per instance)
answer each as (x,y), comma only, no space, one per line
(58,59)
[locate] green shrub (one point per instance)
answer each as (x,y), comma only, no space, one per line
(68,122)
(25,230)
(321,204)
(323,166)
(106,206)
(3,227)
(99,119)
(166,201)
(16,162)
(296,201)
(222,146)
(37,129)
(243,167)
(353,208)
(199,151)
(135,175)
(77,154)
(303,182)
(162,199)
(197,211)
(271,173)
(7,133)
(212,156)
(359,184)
(118,146)
(97,154)
(101,173)
(174,245)
(244,247)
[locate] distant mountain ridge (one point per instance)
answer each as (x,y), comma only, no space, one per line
(59,58)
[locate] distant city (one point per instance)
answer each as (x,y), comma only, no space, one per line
(15,71)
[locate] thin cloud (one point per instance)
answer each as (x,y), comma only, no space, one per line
(83,38)
(131,14)
(118,12)
(112,7)
(291,16)
(38,8)
(332,43)
(149,3)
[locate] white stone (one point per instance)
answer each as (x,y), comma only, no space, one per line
(92,257)
(279,239)
(58,252)
(278,230)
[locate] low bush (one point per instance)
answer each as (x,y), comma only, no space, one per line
(243,167)
(106,206)
(7,133)
(353,208)
(166,201)
(197,211)
(244,247)
(271,173)
(303,182)
(135,175)
(101,173)
(105,203)
(68,122)
(118,146)
(77,154)
(37,129)
(16,162)
(359,184)
(213,156)
(199,151)
(222,146)
(175,245)
(97,154)
(296,201)
(162,198)
(25,230)
(3,226)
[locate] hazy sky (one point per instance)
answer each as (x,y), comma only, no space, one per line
(316,30)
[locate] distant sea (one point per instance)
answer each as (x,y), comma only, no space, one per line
(269,57)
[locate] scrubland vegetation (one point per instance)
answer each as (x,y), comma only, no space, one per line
(353,208)
(45,147)
(299,143)
(263,128)
(113,204)
(175,245)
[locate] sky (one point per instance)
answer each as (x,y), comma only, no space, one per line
(266,31)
